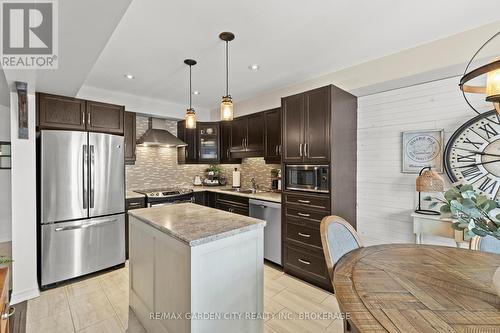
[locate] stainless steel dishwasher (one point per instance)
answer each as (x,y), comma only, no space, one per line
(271,213)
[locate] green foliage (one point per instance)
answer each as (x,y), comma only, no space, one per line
(215,168)
(5,260)
(476,214)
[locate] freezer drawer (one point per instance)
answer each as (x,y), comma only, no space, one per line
(72,249)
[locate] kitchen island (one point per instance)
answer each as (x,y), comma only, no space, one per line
(196,269)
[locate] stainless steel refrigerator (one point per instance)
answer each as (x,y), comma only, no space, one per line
(82,203)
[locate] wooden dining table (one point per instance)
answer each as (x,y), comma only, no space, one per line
(418,289)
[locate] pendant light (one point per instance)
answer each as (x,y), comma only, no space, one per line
(482,74)
(226,107)
(190,118)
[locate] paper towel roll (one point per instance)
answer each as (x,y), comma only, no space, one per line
(236,178)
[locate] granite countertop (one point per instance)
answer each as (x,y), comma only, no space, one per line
(266,196)
(193,224)
(133,195)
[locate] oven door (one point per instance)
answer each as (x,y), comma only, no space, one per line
(304,178)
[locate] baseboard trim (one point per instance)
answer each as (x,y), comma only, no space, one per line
(24,295)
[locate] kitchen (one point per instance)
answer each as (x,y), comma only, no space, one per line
(184,180)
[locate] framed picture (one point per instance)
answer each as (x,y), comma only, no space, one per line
(422,148)
(5,155)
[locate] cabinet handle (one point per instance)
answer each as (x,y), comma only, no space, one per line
(304,261)
(304,201)
(279,150)
(304,235)
(227,153)
(306,149)
(303,214)
(83,118)
(10,311)
(135,204)
(300,150)
(88,118)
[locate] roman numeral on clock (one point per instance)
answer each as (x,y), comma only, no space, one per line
(488,185)
(466,158)
(475,144)
(488,130)
(472,173)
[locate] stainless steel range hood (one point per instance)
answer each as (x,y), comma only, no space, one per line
(155,137)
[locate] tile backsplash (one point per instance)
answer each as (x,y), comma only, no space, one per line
(157,167)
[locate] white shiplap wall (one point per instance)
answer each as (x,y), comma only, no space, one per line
(386,196)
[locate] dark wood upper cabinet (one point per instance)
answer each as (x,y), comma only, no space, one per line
(272,136)
(129,133)
(317,125)
(248,136)
(292,116)
(238,134)
(306,126)
(188,154)
(106,118)
(255,133)
(58,112)
(225,144)
(208,142)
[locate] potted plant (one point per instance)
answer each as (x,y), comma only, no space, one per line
(475,214)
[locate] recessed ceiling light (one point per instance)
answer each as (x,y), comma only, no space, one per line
(129,76)
(254,67)
(196,92)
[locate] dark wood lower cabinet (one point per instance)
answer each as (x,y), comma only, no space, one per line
(308,264)
(303,251)
(232,203)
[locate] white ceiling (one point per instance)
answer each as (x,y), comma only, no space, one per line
(84,29)
(291,40)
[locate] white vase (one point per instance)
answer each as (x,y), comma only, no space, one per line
(496,280)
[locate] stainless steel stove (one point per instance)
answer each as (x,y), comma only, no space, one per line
(165,196)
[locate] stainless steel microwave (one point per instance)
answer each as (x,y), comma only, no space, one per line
(310,178)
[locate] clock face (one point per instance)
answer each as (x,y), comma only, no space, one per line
(472,155)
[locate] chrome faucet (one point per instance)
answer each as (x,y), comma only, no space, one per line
(255,187)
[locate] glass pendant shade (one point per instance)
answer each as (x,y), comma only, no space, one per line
(226,109)
(493,88)
(190,118)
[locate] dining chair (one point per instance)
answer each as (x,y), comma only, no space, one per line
(338,238)
(485,244)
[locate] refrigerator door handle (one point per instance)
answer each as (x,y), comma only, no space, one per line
(88,225)
(92,175)
(84,178)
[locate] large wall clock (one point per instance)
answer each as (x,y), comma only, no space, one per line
(472,155)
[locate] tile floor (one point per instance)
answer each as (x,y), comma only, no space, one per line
(100,304)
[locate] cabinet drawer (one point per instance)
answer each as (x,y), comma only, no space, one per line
(135,203)
(303,233)
(320,202)
(232,199)
(308,261)
(232,208)
(305,214)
